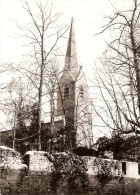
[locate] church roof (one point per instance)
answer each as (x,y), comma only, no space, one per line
(71,63)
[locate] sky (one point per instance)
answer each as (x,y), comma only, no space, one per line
(87,13)
(89,18)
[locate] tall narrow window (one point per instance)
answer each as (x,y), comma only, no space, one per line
(66,92)
(139,168)
(81,91)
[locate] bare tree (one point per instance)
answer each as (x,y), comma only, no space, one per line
(43,32)
(118,80)
(15,105)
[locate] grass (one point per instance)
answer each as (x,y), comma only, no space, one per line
(12,183)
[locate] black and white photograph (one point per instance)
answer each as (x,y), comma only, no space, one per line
(69,97)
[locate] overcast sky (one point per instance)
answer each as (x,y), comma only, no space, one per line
(87,13)
(89,16)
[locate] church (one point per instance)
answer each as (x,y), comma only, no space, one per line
(73,100)
(73,117)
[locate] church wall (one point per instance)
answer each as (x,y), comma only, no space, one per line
(23,146)
(83,113)
(7,138)
(69,103)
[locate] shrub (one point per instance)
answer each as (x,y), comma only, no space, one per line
(107,170)
(69,163)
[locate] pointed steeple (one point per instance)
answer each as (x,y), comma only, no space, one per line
(71,62)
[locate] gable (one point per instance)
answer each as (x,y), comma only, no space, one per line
(67,77)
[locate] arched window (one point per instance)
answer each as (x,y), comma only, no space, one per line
(66,92)
(81,91)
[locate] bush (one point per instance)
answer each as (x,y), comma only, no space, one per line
(69,163)
(107,170)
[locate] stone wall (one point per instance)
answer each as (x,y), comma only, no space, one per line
(132,170)
(10,158)
(116,167)
(38,161)
(97,165)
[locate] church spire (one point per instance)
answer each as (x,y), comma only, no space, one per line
(71,62)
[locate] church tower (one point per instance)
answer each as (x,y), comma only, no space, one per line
(73,99)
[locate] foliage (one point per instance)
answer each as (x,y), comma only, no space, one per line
(103,145)
(107,170)
(122,147)
(84,151)
(69,163)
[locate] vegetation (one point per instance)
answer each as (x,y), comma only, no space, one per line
(122,147)
(118,80)
(107,171)
(69,163)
